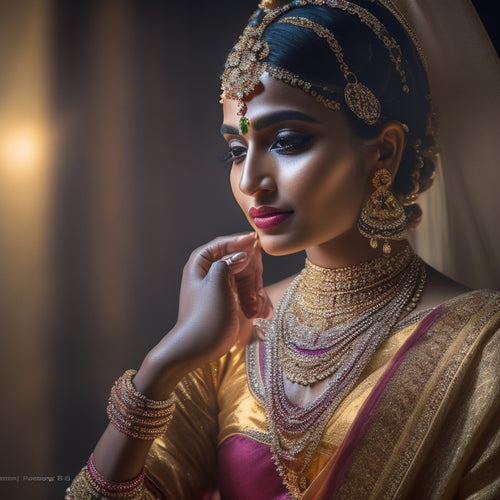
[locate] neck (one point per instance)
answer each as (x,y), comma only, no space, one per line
(349,249)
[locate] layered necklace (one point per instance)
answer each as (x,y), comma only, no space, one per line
(328,324)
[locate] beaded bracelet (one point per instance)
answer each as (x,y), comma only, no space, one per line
(89,484)
(134,414)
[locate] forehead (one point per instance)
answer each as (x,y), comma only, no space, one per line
(274,96)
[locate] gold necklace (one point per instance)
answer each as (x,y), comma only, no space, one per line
(329,310)
(328,323)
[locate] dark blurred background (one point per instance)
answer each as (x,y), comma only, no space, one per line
(109,139)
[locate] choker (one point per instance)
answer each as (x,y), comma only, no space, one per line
(328,324)
(328,311)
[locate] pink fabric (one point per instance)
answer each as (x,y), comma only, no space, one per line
(363,419)
(247,471)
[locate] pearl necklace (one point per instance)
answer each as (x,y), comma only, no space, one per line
(329,323)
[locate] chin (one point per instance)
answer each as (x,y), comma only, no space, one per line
(279,245)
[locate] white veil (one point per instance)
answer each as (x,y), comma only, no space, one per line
(460,230)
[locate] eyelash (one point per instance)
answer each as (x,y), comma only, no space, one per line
(230,157)
(296,143)
(293,143)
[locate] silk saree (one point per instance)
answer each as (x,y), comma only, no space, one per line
(422,422)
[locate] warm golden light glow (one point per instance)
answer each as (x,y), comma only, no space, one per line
(22,147)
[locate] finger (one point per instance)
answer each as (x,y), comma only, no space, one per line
(219,277)
(219,287)
(203,257)
(266,306)
(250,287)
(236,261)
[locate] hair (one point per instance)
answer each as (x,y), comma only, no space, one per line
(301,51)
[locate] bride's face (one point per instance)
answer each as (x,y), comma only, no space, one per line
(299,174)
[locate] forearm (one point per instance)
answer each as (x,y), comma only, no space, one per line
(139,409)
(118,456)
(116,468)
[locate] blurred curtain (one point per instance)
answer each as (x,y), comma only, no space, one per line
(26,291)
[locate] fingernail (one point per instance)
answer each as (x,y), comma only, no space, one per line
(238,257)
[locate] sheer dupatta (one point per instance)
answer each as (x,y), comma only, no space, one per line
(459,232)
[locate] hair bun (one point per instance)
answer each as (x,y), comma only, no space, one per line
(414,215)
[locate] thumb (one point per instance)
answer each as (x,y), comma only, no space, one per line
(218,273)
(223,269)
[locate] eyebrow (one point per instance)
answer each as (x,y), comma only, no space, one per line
(227,129)
(270,119)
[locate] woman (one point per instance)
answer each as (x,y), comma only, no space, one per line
(369,374)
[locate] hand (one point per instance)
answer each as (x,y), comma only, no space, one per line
(221,280)
(221,291)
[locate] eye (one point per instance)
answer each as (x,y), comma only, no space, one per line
(288,142)
(236,154)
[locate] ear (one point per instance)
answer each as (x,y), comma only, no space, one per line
(388,147)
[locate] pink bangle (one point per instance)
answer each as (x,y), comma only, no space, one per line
(111,486)
(134,414)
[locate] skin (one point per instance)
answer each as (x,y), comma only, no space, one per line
(324,182)
(301,158)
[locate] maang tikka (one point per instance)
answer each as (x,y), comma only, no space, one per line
(383,217)
(248,61)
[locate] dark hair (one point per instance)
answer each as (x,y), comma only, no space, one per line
(302,52)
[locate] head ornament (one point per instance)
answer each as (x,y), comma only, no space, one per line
(273,4)
(248,59)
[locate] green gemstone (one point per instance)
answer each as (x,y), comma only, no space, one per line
(244,124)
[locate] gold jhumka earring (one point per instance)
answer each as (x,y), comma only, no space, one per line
(383,217)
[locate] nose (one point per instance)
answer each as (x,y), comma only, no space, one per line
(257,174)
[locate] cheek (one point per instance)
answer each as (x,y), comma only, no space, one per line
(234,181)
(321,185)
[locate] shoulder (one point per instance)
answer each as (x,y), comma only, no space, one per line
(442,290)
(467,324)
(479,307)
(439,289)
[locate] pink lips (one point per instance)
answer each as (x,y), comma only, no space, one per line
(265,217)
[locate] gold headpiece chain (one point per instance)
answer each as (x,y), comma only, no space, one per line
(360,99)
(246,63)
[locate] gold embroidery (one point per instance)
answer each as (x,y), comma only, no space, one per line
(409,408)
